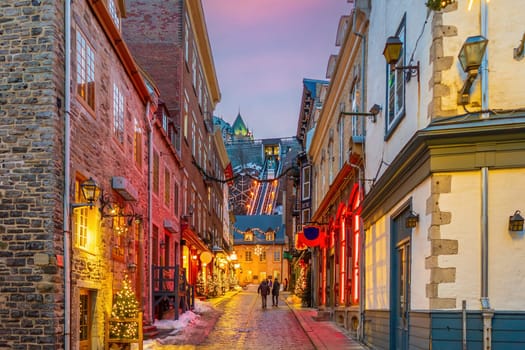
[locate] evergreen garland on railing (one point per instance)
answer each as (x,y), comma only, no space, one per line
(438,5)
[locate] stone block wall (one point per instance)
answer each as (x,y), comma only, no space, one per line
(31,173)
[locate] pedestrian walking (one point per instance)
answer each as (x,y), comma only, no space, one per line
(264,290)
(275,292)
(270,282)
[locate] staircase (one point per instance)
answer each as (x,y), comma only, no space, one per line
(149,331)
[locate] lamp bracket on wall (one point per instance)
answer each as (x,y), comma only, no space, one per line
(374,111)
(410,70)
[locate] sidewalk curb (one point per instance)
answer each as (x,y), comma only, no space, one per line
(319,342)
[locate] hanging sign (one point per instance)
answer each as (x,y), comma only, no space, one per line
(311,232)
(206,257)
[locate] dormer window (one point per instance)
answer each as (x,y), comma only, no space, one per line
(248,236)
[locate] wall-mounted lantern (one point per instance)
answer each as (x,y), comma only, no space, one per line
(516,222)
(392,53)
(470,57)
(411,220)
(91,193)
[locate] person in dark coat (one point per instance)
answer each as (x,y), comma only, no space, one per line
(264,290)
(275,292)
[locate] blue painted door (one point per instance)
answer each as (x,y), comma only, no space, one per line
(402,294)
(400,283)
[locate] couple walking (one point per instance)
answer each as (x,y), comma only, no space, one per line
(264,290)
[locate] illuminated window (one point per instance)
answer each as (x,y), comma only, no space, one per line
(248,256)
(270,236)
(120,231)
(118,113)
(85,221)
(262,257)
(248,236)
(85,71)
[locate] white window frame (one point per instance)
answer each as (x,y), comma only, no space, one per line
(306,182)
(396,85)
(85,71)
(113,11)
(118,113)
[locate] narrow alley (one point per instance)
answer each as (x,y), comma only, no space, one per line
(243,324)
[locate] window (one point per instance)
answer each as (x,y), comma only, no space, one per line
(186,40)
(396,85)
(341,141)
(270,236)
(194,68)
(176,199)
(306,183)
(165,121)
(305,216)
(248,236)
(167,187)
(120,231)
(85,222)
(81,219)
(277,255)
(85,71)
(186,104)
(262,257)
(118,113)
(137,145)
(156,173)
(193,136)
(248,256)
(114,13)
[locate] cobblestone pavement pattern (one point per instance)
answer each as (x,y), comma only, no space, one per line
(245,325)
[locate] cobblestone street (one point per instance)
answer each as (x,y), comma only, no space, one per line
(237,321)
(245,325)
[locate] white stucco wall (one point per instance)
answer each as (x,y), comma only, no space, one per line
(377,254)
(385,19)
(506,250)
(505,74)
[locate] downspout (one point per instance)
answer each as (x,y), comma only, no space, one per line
(150,223)
(67,163)
(140,270)
(487,311)
(484,71)
(361,328)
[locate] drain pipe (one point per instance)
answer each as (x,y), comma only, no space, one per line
(487,312)
(150,223)
(67,163)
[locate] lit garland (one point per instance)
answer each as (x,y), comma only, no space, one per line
(437,5)
(125,306)
(234,177)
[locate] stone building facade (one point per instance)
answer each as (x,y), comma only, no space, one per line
(183,69)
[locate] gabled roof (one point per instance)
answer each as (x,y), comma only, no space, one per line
(259,224)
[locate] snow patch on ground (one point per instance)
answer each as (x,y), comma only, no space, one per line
(179,331)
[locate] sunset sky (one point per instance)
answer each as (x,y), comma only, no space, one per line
(262,51)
